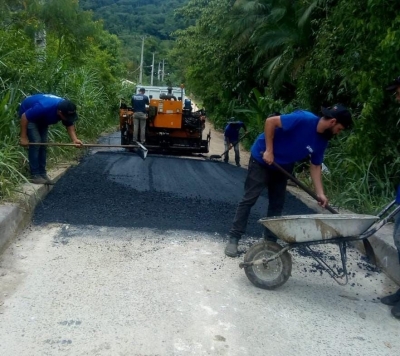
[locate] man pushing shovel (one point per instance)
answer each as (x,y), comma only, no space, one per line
(37,112)
(286,140)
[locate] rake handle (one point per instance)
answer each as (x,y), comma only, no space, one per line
(53,144)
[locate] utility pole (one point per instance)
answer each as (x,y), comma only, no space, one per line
(141,63)
(152,71)
(162,73)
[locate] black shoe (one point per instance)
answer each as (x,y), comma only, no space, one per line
(231,248)
(48,180)
(396,311)
(38,180)
(238,165)
(392,300)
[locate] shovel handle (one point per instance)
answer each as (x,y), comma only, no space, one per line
(303,186)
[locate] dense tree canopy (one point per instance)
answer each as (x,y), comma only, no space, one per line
(256,56)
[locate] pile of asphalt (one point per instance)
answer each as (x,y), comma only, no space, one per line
(103,191)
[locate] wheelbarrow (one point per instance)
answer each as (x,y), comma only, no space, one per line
(268,265)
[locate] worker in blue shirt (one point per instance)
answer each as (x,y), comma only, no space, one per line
(394,299)
(37,112)
(231,138)
(286,140)
(139,102)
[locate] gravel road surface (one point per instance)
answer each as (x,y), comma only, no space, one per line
(125,257)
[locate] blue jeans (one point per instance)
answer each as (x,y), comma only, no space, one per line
(37,154)
(396,233)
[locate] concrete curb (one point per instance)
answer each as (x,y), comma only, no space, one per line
(382,242)
(15,217)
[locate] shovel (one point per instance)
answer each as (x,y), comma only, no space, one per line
(369,251)
(233,145)
(140,149)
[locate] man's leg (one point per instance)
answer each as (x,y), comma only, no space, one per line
(255,183)
(43,131)
(394,299)
(143,130)
(277,183)
(33,151)
(136,123)
(237,154)
(226,156)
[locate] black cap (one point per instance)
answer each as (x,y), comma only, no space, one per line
(395,83)
(68,109)
(142,90)
(340,113)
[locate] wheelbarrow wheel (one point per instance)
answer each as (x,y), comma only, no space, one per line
(274,273)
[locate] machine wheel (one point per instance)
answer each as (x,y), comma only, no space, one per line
(275,273)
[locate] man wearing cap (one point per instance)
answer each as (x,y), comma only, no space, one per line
(37,112)
(286,139)
(139,102)
(394,299)
(231,138)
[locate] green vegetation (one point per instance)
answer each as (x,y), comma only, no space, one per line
(255,57)
(244,58)
(80,61)
(130,20)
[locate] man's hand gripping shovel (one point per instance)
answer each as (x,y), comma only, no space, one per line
(369,251)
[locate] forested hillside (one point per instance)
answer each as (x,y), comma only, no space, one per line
(131,19)
(137,17)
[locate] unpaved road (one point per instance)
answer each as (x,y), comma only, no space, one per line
(125,257)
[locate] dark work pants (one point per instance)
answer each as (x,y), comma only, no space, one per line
(258,178)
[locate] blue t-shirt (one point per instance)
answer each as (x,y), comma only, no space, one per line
(139,102)
(42,109)
(294,141)
(232,130)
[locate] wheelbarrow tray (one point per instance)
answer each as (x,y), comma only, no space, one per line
(316,227)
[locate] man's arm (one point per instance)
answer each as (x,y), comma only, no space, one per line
(315,172)
(269,130)
(72,135)
(24,141)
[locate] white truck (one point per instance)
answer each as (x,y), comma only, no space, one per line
(155,91)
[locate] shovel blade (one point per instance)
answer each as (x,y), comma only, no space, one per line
(369,252)
(141,151)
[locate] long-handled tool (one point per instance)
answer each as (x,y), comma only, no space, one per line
(369,251)
(140,149)
(231,146)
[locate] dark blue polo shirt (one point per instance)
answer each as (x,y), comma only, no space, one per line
(139,102)
(294,141)
(41,109)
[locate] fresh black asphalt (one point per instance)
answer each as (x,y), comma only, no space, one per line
(119,189)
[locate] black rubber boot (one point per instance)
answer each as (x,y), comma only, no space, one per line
(231,248)
(392,300)
(396,311)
